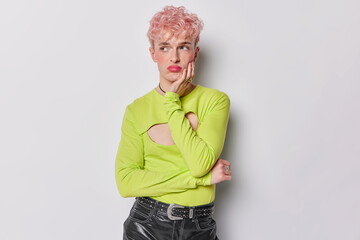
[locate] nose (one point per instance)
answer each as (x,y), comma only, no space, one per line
(175,56)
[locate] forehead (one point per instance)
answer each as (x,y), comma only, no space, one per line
(165,36)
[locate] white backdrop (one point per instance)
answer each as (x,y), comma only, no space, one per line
(291,69)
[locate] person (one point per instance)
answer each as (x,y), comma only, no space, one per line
(171,140)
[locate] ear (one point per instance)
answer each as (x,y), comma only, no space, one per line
(196,53)
(152,53)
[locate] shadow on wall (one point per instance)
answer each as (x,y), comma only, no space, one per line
(200,66)
(225,190)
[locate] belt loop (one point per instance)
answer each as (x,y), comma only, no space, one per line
(191,213)
(156,205)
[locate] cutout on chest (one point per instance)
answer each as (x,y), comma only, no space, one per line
(160,133)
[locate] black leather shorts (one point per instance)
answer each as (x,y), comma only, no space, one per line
(145,223)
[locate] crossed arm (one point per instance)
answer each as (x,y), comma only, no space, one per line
(200,150)
(133,180)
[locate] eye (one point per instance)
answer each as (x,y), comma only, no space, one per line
(163,48)
(184,47)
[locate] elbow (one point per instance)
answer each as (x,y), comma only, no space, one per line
(124,191)
(198,172)
(201,168)
(123,186)
(125,194)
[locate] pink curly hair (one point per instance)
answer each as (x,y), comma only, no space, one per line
(177,20)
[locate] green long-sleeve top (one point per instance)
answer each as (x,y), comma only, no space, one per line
(179,173)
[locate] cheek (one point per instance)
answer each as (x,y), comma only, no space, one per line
(189,56)
(160,58)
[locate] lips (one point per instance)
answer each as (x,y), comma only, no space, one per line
(174,68)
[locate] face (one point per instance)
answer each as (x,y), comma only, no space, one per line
(173,55)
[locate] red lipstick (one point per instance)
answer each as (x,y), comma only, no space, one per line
(174,68)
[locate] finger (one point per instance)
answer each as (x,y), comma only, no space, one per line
(226,167)
(189,71)
(225,162)
(228,173)
(227,178)
(183,76)
(186,78)
(193,70)
(182,80)
(186,83)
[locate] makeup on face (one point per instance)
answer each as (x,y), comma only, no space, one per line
(173,54)
(174,68)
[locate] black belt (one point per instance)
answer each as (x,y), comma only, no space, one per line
(177,212)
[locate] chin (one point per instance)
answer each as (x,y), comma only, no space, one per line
(173,77)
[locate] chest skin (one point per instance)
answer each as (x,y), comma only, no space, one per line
(160,133)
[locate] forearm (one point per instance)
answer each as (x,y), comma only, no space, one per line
(134,182)
(199,156)
(201,148)
(133,179)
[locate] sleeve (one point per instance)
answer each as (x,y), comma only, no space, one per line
(133,180)
(201,148)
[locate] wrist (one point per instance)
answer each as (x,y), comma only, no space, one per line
(171,94)
(205,180)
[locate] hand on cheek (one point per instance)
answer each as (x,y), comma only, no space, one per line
(180,85)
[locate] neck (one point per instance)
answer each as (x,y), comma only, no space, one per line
(163,88)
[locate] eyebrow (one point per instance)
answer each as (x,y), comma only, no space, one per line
(167,44)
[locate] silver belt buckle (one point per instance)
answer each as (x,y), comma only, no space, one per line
(169,211)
